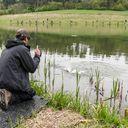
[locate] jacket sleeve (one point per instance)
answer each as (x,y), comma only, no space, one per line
(29,64)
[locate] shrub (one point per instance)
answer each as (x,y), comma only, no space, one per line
(51,6)
(3,12)
(94,4)
(78,6)
(69,5)
(10,11)
(126,5)
(118,7)
(2,6)
(31,8)
(17,8)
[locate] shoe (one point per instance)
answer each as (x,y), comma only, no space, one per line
(5,98)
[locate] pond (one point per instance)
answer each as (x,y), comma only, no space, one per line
(83,54)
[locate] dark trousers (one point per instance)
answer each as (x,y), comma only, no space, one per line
(19,96)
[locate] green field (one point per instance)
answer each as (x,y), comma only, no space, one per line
(70,22)
(99,12)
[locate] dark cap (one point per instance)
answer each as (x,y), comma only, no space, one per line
(22,32)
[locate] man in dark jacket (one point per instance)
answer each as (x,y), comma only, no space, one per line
(15,65)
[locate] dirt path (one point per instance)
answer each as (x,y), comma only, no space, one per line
(48,118)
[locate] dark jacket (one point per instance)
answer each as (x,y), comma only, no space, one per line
(15,65)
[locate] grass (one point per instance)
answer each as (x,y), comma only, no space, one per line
(104,114)
(100,112)
(97,85)
(97,12)
(70,22)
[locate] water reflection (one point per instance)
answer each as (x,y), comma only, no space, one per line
(77,46)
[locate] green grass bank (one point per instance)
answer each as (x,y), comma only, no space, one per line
(70,22)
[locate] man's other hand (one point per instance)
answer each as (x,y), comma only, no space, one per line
(37,52)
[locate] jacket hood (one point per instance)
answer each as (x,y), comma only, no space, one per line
(13,43)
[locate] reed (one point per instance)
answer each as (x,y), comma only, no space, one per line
(120,97)
(104,114)
(91,78)
(59,101)
(85,107)
(49,75)
(111,98)
(38,70)
(97,84)
(53,80)
(38,87)
(62,87)
(66,100)
(116,88)
(77,86)
(45,75)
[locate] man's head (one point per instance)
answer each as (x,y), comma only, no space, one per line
(23,35)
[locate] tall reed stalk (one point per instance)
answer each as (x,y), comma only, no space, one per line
(120,97)
(77,86)
(49,75)
(45,75)
(62,86)
(53,79)
(97,84)
(115,91)
(111,98)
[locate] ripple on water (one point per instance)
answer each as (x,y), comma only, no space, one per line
(89,67)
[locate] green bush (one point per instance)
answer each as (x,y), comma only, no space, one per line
(126,5)
(17,8)
(51,6)
(2,6)
(10,11)
(69,5)
(118,7)
(79,6)
(31,8)
(3,12)
(94,4)
(85,5)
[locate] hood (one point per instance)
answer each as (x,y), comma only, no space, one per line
(13,43)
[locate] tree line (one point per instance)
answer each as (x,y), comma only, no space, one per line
(47,5)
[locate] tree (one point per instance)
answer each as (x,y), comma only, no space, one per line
(8,2)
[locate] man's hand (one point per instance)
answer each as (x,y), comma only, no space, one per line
(37,51)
